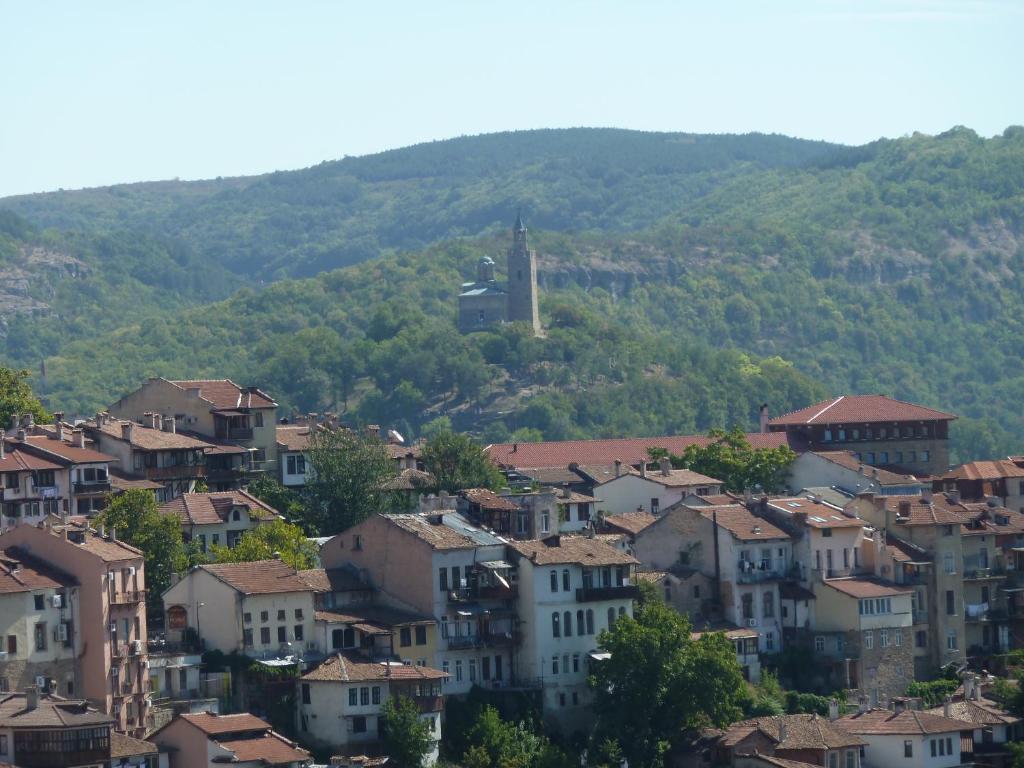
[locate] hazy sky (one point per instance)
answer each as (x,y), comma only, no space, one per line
(103,92)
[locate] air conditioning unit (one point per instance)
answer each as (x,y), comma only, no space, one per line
(58,601)
(62,632)
(136,647)
(751,622)
(131,570)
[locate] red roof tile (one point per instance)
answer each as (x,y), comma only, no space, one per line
(853,409)
(22,461)
(630,522)
(214,508)
(864,587)
(742,523)
(219,725)
(487,499)
(21,573)
(985,470)
(225,394)
(907,722)
(270,749)
(578,550)
(261,577)
(344,669)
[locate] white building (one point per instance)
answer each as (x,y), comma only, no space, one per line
(847,472)
(570,589)
(905,737)
(218,518)
(653,490)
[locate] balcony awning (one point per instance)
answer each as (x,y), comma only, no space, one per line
(496,565)
(599,655)
(229,413)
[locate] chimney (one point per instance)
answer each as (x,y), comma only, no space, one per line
(15,421)
(31,697)
(113,533)
(58,417)
(898,705)
(169,425)
(764,417)
(618,467)
(643,468)
(782,731)
(862,704)
(904,508)
(947,707)
(21,434)
(155,420)
(58,430)
(101,531)
(665,465)
(127,431)
(78,438)
(969,684)
(833,709)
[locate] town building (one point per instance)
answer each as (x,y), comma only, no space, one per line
(903,736)
(33,487)
(810,739)
(294,466)
(486,303)
(745,641)
(341,702)
(881,431)
(218,518)
(982,480)
(108,630)
(527,515)
(655,490)
(844,471)
(208,740)
(570,589)
(994,727)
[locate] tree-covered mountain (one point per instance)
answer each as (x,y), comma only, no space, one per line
(299,223)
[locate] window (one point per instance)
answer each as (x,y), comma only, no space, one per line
(281,615)
(359,724)
(565,580)
(768,608)
(898,638)
(833,760)
(456,577)
(819,644)
(443,579)
(611,618)
(444,668)
(11,480)
(247,618)
(951,641)
(696,591)
(590,621)
(265,635)
(458,670)
(567,621)
(353,697)
(364,696)
(282,635)
(3,744)
(247,637)
(472,670)
(357,542)
(950,602)
(655,506)
(555,629)
(305,693)
(908,748)
(949,561)
(375,697)
(264,616)
(869,457)
(581,627)
(545,521)
(883,636)
(575,662)
(298,614)
(561,699)
(575,698)
(921,639)
(236,515)
(405,637)
(828,436)
(769,641)
(747,603)
(924,456)
(485,667)
(869,640)
(554,665)
(300,633)
(554,581)
(421,635)
(39,601)
(40,636)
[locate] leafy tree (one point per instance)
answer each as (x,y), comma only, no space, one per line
(138,521)
(269,489)
(659,682)
(729,457)
(456,462)
(407,738)
(16,397)
(266,539)
(932,692)
(349,471)
(496,742)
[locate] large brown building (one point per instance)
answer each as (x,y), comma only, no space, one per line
(881,431)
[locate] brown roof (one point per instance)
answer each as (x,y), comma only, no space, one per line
(122,745)
(374,617)
(604,453)
(409,480)
(980,712)
(733,633)
(344,579)
(742,523)
(149,439)
(630,522)
(344,668)
(488,499)
(578,550)
(50,712)
(907,722)
(985,470)
(848,460)
(261,577)
(214,508)
(777,762)
(905,552)
(63,449)
(270,749)
(396,451)
(293,437)
(213,724)
(225,394)
(20,572)
(106,549)
(572,497)
(853,409)
(438,536)
(23,461)
(676,478)
(122,483)
(859,586)
(939,511)
(802,732)
(819,515)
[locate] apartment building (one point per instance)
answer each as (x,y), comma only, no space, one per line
(33,487)
(341,702)
(218,409)
(527,515)
(845,471)
(570,589)
(153,452)
(441,565)
(653,490)
(901,736)
(220,518)
(208,740)
(982,480)
(108,630)
(826,542)
(294,467)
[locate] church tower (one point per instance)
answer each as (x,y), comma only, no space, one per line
(522,279)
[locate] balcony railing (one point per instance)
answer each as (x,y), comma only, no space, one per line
(240,433)
(127,597)
(461,642)
(429,703)
(178,470)
(748,572)
(501,639)
(593,594)
(473,594)
(93,487)
(982,574)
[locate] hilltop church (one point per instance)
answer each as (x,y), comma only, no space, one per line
(486,303)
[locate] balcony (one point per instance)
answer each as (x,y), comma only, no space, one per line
(94,487)
(240,433)
(128,597)
(919,617)
(33,750)
(429,703)
(462,642)
(501,639)
(751,573)
(46,491)
(175,471)
(473,594)
(593,594)
(983,574)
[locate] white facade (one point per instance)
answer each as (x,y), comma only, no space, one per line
(889,750)
(630,492)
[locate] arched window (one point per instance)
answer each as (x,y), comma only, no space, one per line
(554,581)
(565,579)
(568,624)
(590,621)
(622,611)
(554,625)
(581,628)
(611,618)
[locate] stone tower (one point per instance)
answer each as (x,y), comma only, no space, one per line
(522,279)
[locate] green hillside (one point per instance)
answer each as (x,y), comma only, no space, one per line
(342,212)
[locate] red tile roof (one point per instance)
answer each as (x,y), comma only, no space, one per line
(742,523)
(985,470)
(344,668)
(854,409)
(293,437)
(260,577)
(62,449)
(488,499)
(907,722)
(225,394)
(847,460)
(577,550)
(604,453)
(122,745)
(219,725)
(630,522)
(269,749)
(939,511)
(864,587)
(801,732)
(147,438)
(675,478)
(23,461)
(214,508)
(22,573)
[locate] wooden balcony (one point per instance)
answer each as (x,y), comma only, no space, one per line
(170,473)
(594,594)
(429,703)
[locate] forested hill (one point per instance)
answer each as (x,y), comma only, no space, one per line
(342,212)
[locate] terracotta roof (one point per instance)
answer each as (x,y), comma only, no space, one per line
(344,579)
(979,712)
(743,524)
(710,500)
(23,461)
(572,497)
(396,451)
(63,449)
(375,616)
(857,409)
(225,394)
(51,712)
(651,576)
(213,724)
(261,577)
(905,552)
(293,437)
(344,668)
(438,535)
(985,470)
(777,762)
(269,749)
(578,550)
(604,453)
(122,745)
(907,722)
(819,515)
(940,511)
(630,522)
(106,549)
(410,480)
(147,438)
(676,478)
(122,483)
(802,732)
(20,572)
(848,460)
(488,499)
(858,586)
(215,508)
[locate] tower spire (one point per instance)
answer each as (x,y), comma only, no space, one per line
(519,226)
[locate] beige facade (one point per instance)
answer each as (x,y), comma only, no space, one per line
(208,740)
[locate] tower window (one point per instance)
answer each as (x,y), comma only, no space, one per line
(519,274)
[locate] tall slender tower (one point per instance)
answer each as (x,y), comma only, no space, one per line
(522,279)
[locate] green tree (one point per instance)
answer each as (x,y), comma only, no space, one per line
(497,743)
(266,539)
(456,462)
(349,472)
(407,738)
(269,489)
(16,397)
(729,457)
(660,682)
(138,521)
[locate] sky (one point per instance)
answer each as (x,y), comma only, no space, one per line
(103,92)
